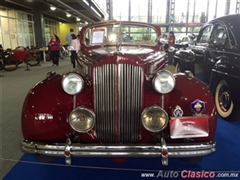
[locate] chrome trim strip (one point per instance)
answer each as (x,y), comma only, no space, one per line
(195,149)
(224,73)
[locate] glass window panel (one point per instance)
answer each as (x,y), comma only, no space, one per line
(20,35)
(25,18)
(13,33)
(233,4)
(19,15)
(212,8)
(200,11)
(159,9)
(205,34)
(139,10)
(30,18)
(31,34)
(180,10)
(3,12)
(11,13)
(6,33)
(191,10)
(221,8)
(1,38)
(120,10)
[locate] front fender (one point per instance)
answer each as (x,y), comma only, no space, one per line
(45,110)
(185,92)
(228,70)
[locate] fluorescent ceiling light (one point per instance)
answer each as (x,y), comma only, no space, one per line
(68,15)
(78,19)
(53,8)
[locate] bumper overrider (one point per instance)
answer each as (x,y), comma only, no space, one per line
(163,150)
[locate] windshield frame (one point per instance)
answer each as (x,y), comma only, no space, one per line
(153,30)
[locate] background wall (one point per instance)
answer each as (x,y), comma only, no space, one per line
(64,29)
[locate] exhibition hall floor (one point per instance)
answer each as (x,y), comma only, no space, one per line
(15,165)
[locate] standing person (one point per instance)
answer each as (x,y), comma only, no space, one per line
(75,47)
(54,45)
(171,44)
(69,38)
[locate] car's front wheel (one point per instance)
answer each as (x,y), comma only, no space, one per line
(223,99)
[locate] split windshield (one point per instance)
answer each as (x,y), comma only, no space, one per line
(110,34)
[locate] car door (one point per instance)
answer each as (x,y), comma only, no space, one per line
(200,47)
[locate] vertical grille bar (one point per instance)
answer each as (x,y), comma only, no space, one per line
(104,102)
(128,88)
(130,102)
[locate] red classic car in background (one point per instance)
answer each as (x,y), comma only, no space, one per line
(121,103)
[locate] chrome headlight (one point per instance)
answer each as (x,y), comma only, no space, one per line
(154,118)
(164,82)
(72,84)
(82,119)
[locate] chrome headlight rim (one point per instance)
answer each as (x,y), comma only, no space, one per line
(157,75)
(159,108)
(93,122)
(76,75)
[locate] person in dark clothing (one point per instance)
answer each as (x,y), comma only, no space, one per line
(171,43)
(75,47)
(54,45)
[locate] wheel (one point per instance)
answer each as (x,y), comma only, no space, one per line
(47,56)
(65,53)
(32,59)
(1,64)
(44,159)
(223,99)
(10,63)
(177,69)
(61,55)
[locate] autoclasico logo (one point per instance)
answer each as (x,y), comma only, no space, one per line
(197,174)
(186,174)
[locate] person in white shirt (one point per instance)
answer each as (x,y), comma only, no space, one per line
(75,48)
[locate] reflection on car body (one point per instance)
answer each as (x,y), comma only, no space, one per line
(121,103)
(217,51)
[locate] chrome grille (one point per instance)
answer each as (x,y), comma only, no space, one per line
(118,90)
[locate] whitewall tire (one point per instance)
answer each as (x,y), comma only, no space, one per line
(223,99)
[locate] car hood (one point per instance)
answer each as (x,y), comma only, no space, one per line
(142,54)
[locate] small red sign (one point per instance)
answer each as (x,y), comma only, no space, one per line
(192,24)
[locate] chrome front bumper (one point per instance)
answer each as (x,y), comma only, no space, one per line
(163,150)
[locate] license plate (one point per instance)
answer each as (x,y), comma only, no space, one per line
(189,127)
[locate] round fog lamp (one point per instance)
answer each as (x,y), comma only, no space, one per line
(154,118)
(82,119)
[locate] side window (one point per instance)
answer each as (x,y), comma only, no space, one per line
(219,35)
(232,37)
(205,35)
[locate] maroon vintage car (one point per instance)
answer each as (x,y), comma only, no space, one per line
(120,103)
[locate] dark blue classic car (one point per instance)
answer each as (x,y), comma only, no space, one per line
(217,53)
